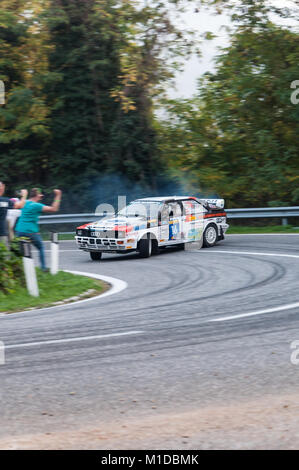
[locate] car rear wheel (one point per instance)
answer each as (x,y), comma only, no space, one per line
(181,246)
(155,247)
(145,247)
(210,236)
(95,255)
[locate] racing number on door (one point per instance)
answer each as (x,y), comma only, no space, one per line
(175,218)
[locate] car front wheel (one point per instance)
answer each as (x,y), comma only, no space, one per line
(95,256)
(145,247)
(210,236)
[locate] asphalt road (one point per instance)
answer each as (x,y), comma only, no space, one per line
(193,329)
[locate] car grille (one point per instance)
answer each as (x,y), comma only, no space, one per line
(105,233)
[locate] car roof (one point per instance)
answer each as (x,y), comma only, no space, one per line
(165,198)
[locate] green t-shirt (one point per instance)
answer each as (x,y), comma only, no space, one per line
(28,220)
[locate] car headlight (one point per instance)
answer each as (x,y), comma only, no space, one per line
(79,232)
(121,234)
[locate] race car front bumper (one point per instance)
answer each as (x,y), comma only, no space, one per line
(108,245)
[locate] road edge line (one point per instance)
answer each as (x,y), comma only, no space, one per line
(118,285)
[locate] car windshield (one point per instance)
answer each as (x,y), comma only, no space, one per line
(140,209)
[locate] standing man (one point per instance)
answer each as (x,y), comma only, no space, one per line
(5,205)
(12,217)
(27,225)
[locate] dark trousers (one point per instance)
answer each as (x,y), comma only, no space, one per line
(38,243)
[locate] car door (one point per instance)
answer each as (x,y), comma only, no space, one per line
(163,221)
(192,220)
(175,221)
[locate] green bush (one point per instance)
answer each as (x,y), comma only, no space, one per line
(11,267)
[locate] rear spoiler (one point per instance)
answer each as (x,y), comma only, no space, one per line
(212,204)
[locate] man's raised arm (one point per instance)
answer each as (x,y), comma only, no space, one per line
(56,202)
(20,204)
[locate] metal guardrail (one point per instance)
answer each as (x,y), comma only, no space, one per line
(265,212)
(70,218)
(248,213)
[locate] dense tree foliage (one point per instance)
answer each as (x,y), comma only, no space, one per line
(86,36)
(24,119)
(82,79)
(238,137)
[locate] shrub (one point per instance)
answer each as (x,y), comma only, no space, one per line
(11,268)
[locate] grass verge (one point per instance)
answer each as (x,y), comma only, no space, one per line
(236,229)
(51,289)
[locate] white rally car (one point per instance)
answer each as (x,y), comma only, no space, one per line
(146,225)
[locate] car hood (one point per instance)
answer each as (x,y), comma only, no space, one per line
(117,223)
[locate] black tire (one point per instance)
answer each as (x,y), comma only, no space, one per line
(145,247)
(155,247)
(210,236)
(181,246)
(95,255)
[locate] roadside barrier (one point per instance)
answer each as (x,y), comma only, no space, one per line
(282,213)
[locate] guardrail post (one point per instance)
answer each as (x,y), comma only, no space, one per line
(54,253)
(2,353)
(29,269)
(284,221)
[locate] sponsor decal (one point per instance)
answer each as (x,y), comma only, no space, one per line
(174,230)
(208,216)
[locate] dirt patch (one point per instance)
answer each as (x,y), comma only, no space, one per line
(269,423)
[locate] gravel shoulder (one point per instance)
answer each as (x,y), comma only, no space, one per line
(268,423)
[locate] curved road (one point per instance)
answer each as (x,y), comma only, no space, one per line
(192,331)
